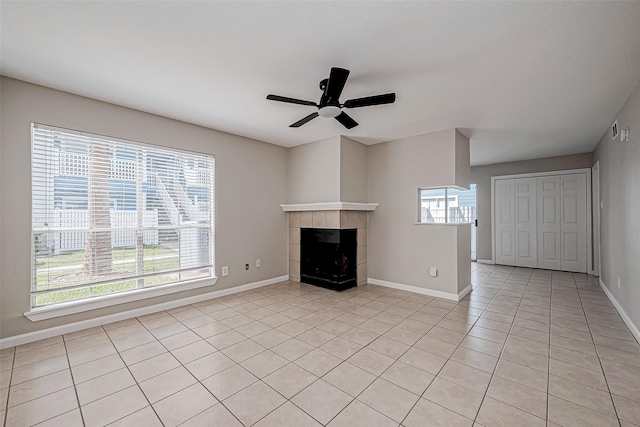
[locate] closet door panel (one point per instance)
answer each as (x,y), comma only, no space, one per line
(525,226)
(504,217)
(573,225)
(548,218)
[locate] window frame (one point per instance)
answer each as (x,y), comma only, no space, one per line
(42,312)
(446,209)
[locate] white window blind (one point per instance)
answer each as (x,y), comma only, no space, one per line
(112,216)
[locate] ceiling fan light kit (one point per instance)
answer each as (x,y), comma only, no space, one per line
(329,106)
(329,112)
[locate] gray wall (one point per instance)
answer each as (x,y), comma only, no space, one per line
(481,175)
(314,172)
(462,161)
(251,183)
(353,171)
(620,216)
(330,170)
(399,250)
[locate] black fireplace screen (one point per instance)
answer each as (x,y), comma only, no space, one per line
(328,257)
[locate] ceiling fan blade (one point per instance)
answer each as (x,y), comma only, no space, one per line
(346,120)
(337,80)
(303,121)
(290,100)
(387,98)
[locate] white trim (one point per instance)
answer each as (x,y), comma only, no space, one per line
(103,320)
(493,220)
(444,187)
(586,171)
(442,223)
(422,291)
(589,230)
(330,206)
(627,320)
(485,261)
(537,174)
(595,208)
(463,293)
(72,307)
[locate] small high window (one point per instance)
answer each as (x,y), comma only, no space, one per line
(446,205)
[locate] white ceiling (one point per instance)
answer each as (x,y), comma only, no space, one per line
(521,79)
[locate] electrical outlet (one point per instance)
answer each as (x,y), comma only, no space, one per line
(246,266)
(225,271)
(618,282)
(258,263)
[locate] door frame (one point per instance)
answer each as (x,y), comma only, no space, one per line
(474,226)
(595,207)
(586,171)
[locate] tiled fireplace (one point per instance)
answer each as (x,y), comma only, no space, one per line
(328,219)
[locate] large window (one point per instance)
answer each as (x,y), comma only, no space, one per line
(112,216)
(447,205)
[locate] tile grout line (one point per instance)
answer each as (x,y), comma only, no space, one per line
(354,398)
(345,360)
(198,381)
(5,417)
(549,347)
(134,378)
(615,409)
(73,382)
(505,342)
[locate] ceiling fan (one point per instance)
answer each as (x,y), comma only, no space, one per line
(330,106)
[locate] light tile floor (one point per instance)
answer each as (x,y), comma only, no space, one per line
(526,348)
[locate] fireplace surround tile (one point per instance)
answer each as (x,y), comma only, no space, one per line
(294,270)
(361,256)
(333,219)
(319,219)
(306,218)
(294,235)
(294,252)
(294,219)
(361,274)
(362,219)
(362,236)
(352,219)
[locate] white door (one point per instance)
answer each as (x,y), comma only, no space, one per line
(573,223)
(504,217)
(549,222)
(525,225)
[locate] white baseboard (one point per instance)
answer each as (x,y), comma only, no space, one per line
(485,261)
(627,320)
(116,317)
(463,293)
(422,291)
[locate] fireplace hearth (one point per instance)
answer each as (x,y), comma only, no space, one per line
(328,257)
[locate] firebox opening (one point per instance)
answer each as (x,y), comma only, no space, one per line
(328,257)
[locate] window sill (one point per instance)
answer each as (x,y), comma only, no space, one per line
(442,223)
(65,309)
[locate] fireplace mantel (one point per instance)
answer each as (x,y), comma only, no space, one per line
(330,206)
